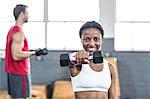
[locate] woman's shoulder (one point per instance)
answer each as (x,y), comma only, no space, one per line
(111,67)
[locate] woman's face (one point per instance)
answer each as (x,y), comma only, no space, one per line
(91,39)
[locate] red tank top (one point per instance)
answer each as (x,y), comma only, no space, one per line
(21,67)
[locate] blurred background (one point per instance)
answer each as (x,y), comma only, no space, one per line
(55,24)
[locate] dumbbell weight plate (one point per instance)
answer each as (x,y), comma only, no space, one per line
(64,60)
(44,51)
(97,57)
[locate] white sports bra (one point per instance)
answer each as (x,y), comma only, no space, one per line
(90,80)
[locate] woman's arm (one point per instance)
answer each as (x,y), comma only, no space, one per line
(112,89)
(75,70)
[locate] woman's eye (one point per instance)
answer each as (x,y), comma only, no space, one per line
(96,39)
(86,39)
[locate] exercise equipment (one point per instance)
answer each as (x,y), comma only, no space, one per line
(40,51)
(69,60)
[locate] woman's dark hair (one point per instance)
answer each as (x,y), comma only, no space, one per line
(91,24)
(18,9)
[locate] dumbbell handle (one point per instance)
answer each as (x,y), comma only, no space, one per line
(40,51)
(69,59)
(73,59)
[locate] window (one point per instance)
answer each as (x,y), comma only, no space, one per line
(132,25)
(35,33)
(64,35)
(35,28)
(4,28)
(53,24)
(65,19)
(73,10)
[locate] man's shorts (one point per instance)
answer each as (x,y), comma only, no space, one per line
(19,86)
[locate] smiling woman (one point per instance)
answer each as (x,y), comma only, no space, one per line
(91,80)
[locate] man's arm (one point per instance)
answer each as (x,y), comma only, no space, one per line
(17,45)
(112,89)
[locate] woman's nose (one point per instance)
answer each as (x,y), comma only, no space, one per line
(92,42)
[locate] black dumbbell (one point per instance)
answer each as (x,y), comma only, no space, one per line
(68,60)
(44,51)
(40,51)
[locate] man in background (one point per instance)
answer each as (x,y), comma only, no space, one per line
(17,63)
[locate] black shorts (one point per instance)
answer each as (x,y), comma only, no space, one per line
(19,86)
